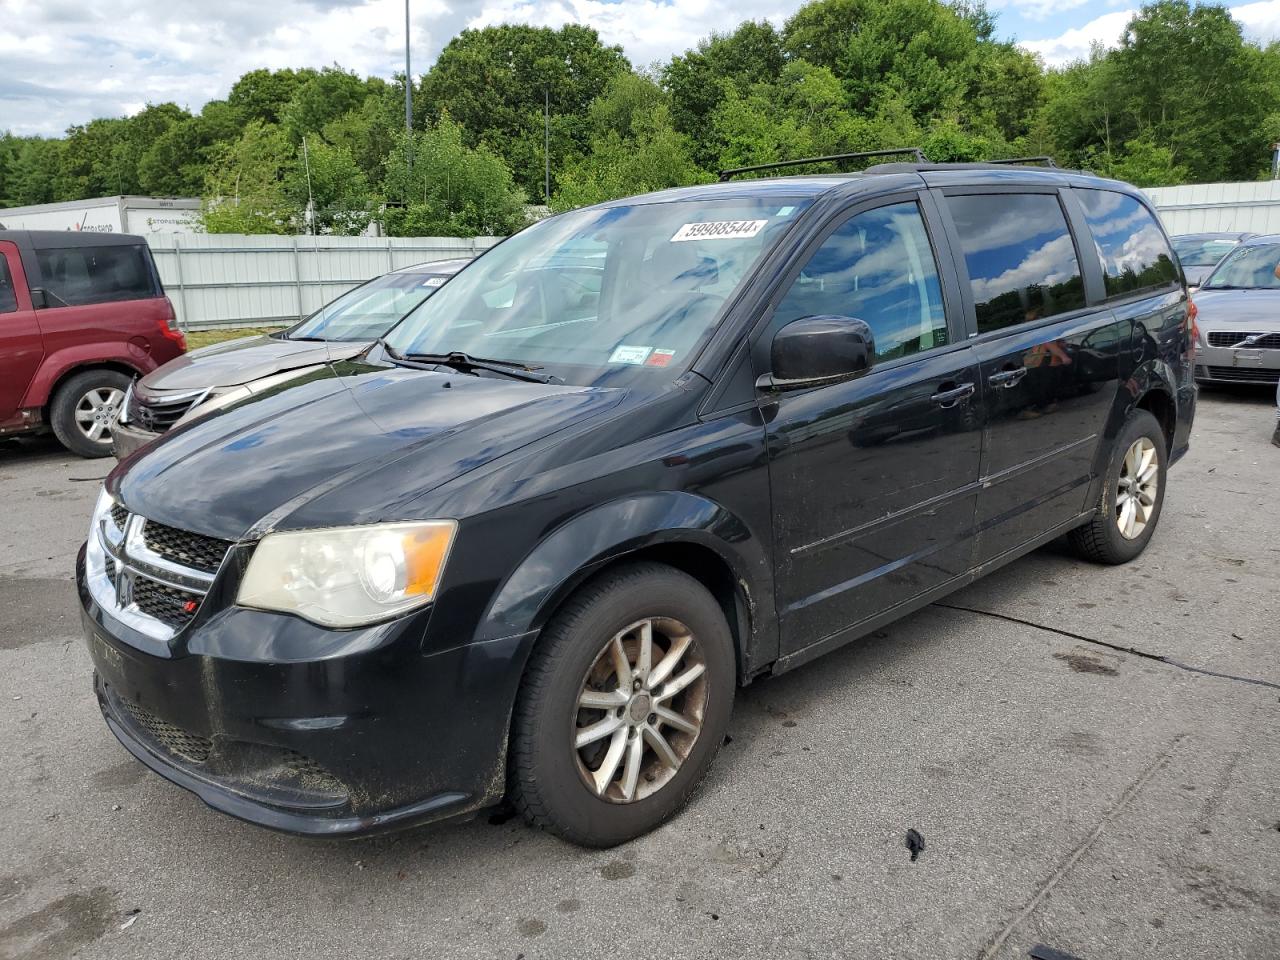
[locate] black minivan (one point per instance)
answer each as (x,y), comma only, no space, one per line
(530,543)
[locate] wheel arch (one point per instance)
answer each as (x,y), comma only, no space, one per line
(1158,401)
(683,530)
(48,391)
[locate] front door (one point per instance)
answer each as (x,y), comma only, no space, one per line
(1050,364)
(21,347)
(873,480)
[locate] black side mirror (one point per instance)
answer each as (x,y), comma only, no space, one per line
(39,298)
(817,350)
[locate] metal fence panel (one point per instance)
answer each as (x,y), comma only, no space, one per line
(1252,207)
(234,280)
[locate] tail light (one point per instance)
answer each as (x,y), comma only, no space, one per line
(169,326)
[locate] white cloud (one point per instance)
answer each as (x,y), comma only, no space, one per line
(1074,44)
(66,62)
(1260,22)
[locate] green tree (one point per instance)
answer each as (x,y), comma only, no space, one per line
(700,79)
(444,188)
(322,98)
(492,82)
(332,182)
(635,147)
(245,189)
(264,94)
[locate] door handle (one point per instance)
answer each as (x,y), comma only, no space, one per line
(949,398)
(1007,378)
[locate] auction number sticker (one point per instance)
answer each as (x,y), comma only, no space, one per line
(434,281)
(719,230)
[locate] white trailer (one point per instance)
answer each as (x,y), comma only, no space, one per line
(1251,207)
(138,215)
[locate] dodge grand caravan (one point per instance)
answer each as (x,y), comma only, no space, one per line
(530,543)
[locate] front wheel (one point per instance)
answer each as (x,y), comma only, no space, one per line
(1132,495)
(84,410)
(623,707)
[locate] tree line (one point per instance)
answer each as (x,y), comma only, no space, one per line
(1182,98)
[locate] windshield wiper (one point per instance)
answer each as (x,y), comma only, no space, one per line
(466,363)
(309,339)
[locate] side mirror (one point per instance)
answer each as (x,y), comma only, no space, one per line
(39,298)
(815,350)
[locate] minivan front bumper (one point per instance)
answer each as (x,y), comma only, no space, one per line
(378,738)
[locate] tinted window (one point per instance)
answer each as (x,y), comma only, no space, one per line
(80,275)
(1134,253)
(8,298)
(1021,261)
(878,267)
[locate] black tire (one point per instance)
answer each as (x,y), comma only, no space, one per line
(1101,539)
(548,783)
(62,411)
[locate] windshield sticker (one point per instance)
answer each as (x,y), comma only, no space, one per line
(784,211)
(719,230)
(626,354)
(434,281)
(660,358)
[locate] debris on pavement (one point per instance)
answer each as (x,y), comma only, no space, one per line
(915,843)
(1041,952)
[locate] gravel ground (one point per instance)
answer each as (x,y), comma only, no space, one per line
(1102,803)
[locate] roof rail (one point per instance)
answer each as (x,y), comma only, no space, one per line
(1026,161)
(734,171)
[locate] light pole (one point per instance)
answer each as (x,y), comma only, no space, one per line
(408,90)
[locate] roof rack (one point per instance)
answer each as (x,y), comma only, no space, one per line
(734,171)
(1026,161)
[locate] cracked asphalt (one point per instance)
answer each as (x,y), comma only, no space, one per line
(1102,803)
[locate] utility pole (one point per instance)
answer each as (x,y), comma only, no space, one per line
(408,88)
(546,143)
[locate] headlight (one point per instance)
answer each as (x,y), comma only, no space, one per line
(348,576)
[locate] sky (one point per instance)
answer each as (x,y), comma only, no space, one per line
(67,61)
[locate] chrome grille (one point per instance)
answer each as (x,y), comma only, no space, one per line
(150,576)
(158,414)
(192,549)
(1229,338)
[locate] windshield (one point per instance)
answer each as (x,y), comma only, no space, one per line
(370,310)
(602,295)
(1201,253)
(1248,266)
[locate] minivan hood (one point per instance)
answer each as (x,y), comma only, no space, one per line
(350,443)
(240,361)
(1252,311)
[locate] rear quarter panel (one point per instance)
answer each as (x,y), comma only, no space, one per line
(125,333)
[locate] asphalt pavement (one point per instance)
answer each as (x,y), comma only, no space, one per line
(1070,794)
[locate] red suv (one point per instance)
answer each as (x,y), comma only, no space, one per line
(81,315)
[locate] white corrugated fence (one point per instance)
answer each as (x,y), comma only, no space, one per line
(229,280)
(1219,207)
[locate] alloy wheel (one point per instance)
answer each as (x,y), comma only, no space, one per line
(96,412)
(640,709)
(1138,486)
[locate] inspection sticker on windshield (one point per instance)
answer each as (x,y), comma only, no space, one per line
(434,281)
(660,357)
(719,230)
(626,354)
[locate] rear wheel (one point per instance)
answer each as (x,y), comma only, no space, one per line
(623,707)
(1132,495)
(84,410)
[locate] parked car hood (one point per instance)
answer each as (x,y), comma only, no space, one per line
(350,443)
(240,361)
(1248,310)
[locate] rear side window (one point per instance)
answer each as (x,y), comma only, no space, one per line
(84,275)
(8,296)
(877,266)
(1021,261)
(1134,253)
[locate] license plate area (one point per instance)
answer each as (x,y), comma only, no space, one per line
(1246,358)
